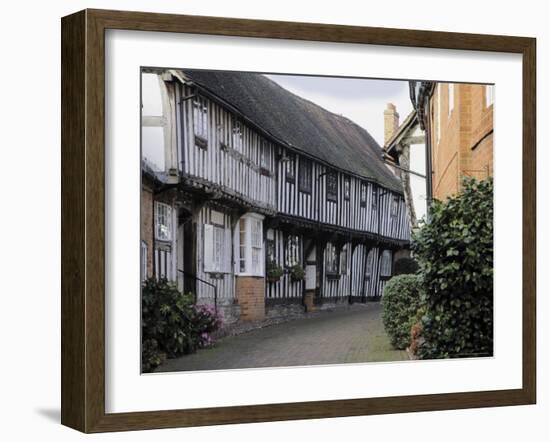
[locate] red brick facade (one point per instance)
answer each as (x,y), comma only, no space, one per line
(462,137)
(147,225)
(251,297)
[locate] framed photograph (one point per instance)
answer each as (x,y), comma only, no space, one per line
(268,221)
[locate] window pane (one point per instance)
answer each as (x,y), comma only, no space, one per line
(242,245)
(332,186)
(385,263)
(305,175)
(163,222)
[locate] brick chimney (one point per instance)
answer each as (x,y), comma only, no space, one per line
(391,121)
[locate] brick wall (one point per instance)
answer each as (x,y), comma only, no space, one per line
(465,143)
(147,225)
(251,297)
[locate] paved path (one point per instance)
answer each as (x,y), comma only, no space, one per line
(333,337)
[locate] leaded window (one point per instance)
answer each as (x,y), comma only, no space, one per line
(200,122)
(385,264)
(292,250)
(332,186)
(363,201)
(331,259)
(305,175)
(163,222)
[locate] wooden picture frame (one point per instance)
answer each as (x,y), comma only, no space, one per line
(83,216)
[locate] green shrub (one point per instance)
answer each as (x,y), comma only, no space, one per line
(274,271)
(401,302)
(171,324)
(297,273)
(455,254)
(405,266)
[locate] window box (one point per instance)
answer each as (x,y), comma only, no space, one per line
(201,142)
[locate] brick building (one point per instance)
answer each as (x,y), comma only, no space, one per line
(458,119)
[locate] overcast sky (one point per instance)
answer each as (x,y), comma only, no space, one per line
(361,100)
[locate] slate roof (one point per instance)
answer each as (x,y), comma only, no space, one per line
(299,123)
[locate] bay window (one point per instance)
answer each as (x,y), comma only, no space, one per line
(249,245)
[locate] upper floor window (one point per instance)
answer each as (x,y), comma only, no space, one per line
(385,264)
(489,95)
(394,206)
(163,222)
(250,248)
(451,97)
(347,185)
(363,201)
(332,186)
(265,157)
(374,198)
(305,175)
(200,122)
(290,168)
(237,136)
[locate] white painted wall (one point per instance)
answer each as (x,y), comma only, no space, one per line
(30,379)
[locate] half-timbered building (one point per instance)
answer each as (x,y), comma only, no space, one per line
(258,200)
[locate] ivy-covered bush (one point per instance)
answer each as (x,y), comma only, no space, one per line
(171,324)
(455,254)
(405,266)
(400,303)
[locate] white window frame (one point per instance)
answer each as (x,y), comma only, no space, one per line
(489,95)
(163,210)
(252,245)
(451,91)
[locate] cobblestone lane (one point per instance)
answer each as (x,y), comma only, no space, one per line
(349,335)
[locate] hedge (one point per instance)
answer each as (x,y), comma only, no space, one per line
(455,254)
(401,302)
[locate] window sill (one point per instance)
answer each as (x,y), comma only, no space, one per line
(249,275)
(333,276)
